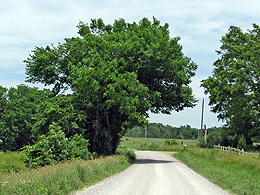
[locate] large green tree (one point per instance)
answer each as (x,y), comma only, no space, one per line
(116,74)
(234,87)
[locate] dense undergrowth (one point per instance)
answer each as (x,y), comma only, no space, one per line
(64,178)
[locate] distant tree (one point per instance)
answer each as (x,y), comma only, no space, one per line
(135,132)
(234,87)
(154,132)
(3,102)
(159,130)
(116,73)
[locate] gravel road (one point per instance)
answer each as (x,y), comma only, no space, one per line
(154,173)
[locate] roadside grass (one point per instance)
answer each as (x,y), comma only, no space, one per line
(64,178)
(12,161)
(234,173)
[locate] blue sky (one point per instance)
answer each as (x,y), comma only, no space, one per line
(200,24)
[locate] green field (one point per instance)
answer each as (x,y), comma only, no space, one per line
(154,144)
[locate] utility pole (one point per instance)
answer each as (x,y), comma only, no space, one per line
(145,131)
(201,125)
(205,131)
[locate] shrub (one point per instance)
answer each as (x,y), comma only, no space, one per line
(242,142)
(170,142)
(128,153)
(79,148)
(55,147)
(212,140)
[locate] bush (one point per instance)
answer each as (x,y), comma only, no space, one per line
(170,142)
(55,147)
(79,148)
(242,142)
(212,140)
(128,153)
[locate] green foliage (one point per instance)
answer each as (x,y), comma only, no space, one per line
(79,148)
(59,110)
(234,85)
(55,147)
(18,107)
(171,142)
(116,73)
(242,143)
(123,151)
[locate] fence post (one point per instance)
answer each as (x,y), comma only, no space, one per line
(243,152)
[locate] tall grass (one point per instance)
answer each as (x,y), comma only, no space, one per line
(237,174)
(12,161)
(62,178)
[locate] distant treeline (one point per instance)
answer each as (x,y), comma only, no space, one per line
(159,130)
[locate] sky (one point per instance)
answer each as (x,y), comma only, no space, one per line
(200,24)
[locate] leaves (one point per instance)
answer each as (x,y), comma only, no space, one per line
(234,85)
(117,73)
(55,147)
(18,109)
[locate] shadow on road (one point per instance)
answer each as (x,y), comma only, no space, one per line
(152,161)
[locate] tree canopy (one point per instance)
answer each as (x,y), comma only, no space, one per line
(234,87)
(116,73)
(18,108)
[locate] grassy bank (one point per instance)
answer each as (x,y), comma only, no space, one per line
(237,174)
(11,161)
(63,178)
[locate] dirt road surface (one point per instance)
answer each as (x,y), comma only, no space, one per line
(154,173)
